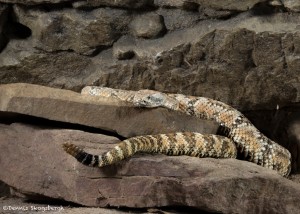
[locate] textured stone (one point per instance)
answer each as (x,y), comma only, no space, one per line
(26,206)
(87,3)
(107,114)
(210,13)
(252,53)
(292,5)
(219,5)
(20,62)
(175,19)
(116,3)
(143,181)
(123,51)
(149,25)
(35,2)
(187,5)
(69,29)
(184,4)
(202,58)
(211,57)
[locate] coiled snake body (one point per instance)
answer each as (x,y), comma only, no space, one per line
(247,139)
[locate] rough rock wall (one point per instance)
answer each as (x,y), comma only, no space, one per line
(245,53)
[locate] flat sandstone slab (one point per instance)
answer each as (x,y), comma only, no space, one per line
(33,162)
(103,113)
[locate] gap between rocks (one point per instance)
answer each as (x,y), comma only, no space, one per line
(10,117)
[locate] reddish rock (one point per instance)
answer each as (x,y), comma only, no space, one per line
(36,165)
(103,113)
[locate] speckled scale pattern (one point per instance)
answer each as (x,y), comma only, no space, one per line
(180,143)
(250,142)
(254,146)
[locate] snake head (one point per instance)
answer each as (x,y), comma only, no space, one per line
(152,99)
(148,99)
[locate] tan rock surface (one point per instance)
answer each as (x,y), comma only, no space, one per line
(292,5)
(136,4)
(103,113)
(19,205)
(149,25)
(223,5)
(229,186)
(74,29)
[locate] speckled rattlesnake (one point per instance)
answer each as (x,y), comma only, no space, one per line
(180,143)
(245,138)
